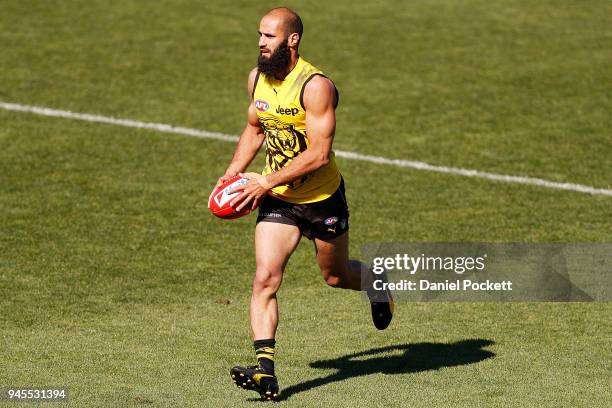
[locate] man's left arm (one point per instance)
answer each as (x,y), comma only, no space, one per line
(319,102)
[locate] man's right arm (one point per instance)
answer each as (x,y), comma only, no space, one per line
(250,140)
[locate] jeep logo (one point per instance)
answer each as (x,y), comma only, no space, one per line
(287,111)
(261,105)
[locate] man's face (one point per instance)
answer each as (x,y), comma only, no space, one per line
(274,53)
(271,35)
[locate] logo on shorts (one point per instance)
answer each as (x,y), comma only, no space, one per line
(261,105)
(271,214)
(331,220)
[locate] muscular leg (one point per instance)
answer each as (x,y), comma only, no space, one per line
(337,269)
(340,272)
(274,244)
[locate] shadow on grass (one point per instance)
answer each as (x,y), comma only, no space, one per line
(414,358)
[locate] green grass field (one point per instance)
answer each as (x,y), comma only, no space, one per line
(116,281)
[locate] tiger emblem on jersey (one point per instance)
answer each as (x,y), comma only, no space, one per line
(283,144)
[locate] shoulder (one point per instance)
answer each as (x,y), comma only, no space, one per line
(319,83)
(319,90)
(252,80)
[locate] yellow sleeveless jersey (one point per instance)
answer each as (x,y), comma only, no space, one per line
(282,117)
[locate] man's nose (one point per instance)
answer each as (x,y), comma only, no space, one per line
(262,41)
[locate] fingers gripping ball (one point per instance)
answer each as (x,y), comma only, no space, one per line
(220,198)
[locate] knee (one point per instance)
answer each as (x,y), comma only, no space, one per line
(266,280)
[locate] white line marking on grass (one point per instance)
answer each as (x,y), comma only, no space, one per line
(476,173)
(161,127)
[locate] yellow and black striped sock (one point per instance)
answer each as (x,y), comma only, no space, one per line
(264,350)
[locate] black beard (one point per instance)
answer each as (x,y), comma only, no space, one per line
(278,62)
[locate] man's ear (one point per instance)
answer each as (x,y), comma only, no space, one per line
(293,40)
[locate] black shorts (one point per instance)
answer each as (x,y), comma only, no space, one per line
(324,219)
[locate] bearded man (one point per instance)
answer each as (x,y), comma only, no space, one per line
(300,192)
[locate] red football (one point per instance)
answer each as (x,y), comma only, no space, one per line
(219,200)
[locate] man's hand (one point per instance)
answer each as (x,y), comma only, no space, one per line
(225,177)
(222,180)
(251,193)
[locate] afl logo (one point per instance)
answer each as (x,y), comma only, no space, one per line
(331,221)
(261,105)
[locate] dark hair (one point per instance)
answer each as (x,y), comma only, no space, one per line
(293,22)
(294,25)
